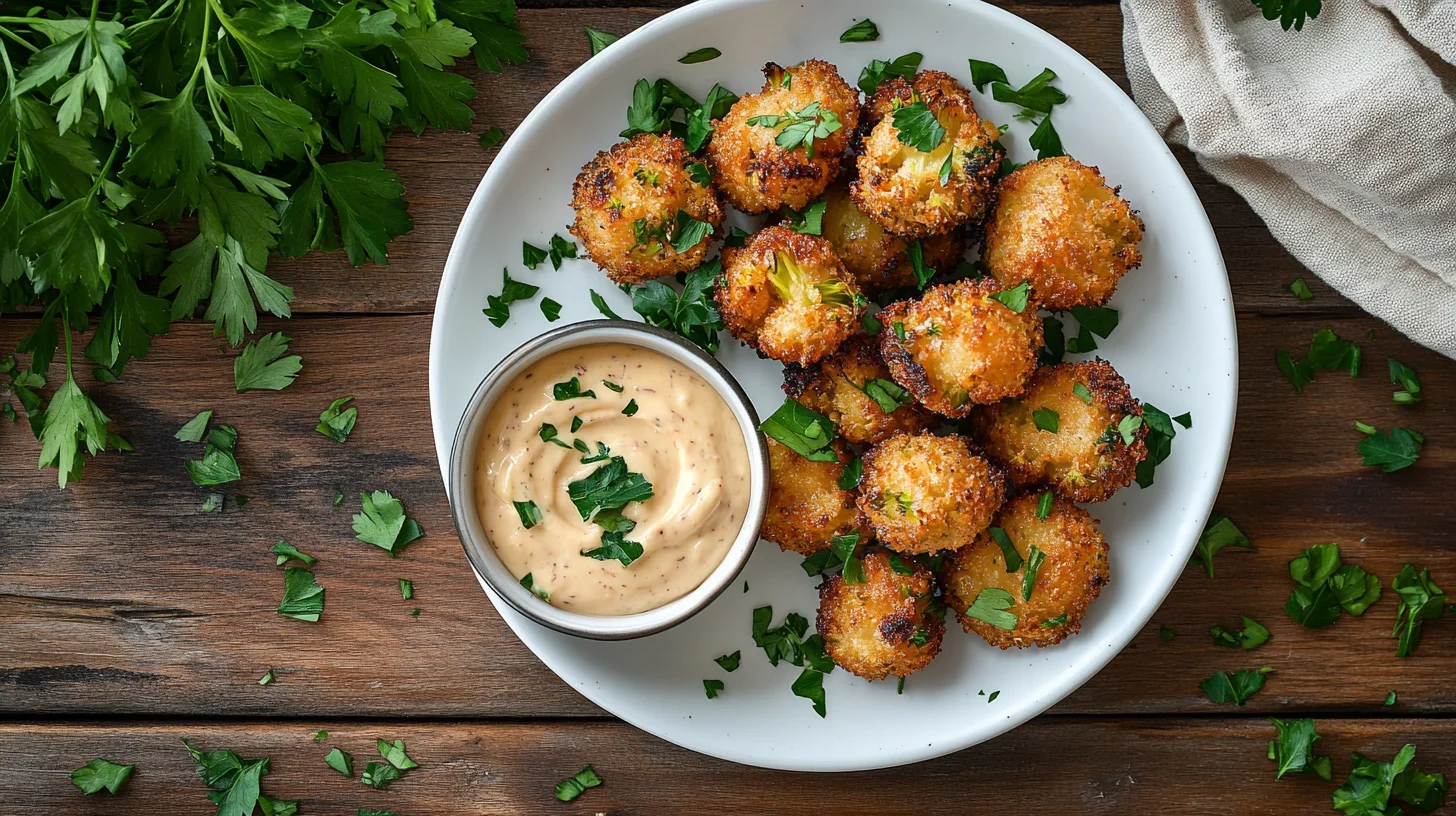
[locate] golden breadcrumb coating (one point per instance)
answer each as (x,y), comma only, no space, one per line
(1058,225)
(1072,573)
(806,507)
(1087,459)
(884,625)
(957,346)
(628,202)
(788,296)
(900,185)
(752,170)
(835,387)
(922,493)
(878,260)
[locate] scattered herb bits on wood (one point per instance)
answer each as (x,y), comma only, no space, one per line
(101,774)
(384,523)
(337,421)
(262,365)
(573,786)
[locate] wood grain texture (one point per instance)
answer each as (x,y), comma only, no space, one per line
(1171,767)
(126,597)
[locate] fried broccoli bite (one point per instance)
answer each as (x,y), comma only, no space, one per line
(784,145)
(853,387)
(1063,567)
(885,624)
(788,296)
(930,164)
(922,493)
(634,202)
(806,506)
(1058,225)
(1086,458)
(878,260)
(957,346)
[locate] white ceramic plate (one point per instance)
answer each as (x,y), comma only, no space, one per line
(1175,346)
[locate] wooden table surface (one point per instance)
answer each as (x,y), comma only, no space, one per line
(130,619)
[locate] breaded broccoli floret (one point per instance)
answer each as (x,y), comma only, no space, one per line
(906,183)
(885,625)
(878,260)
(1058,225)
(788,296)
(1071,572)
(957,346)
(784,145)
(633,203)
(1086,458)
(806,507)
(844,387)
(922,493)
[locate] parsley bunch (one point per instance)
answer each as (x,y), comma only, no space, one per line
(264,122)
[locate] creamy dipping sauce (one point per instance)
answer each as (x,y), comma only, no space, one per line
(683,438)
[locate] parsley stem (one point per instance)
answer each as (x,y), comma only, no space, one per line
(95,6)
(17,38)
(201,49)
(105,168)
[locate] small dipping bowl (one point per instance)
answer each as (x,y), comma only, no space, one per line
(483,557)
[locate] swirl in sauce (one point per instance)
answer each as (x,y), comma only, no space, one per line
(683,438)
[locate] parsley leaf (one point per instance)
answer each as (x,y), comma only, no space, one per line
(802,430)
(569,390)
(1420,600)
(729,662)
(285,551)
(1220,532)
(1045,141)
(573,786)
(850,476)
(810,686)
(844,547)
(863,31)
(528,511)
(393,753)
(1293,749)
(341,761)
(1396,450)
(303,598)
(700,55)
(990,607)
(610,487)
(887,394)
(498,309)
(378,775)
(491,137)
(1252,636)
(337,422)
(218,464)
(234,783)
(916,125)
(1048,420)
(599,39)
(691,313)
(532,256)
(99,774)
(712,687)
(1289,12)
(874,74)
(1037,95)
(1034,559)
(1014,298)
(1301,289)
(383,522)
(800,128)
(195,428)
(1221,688)
(548,433)
(1405,377)
(406,589)
(1009,553)
(810,221)
(984,73)
(263,366)
(1372,785)
(616,545)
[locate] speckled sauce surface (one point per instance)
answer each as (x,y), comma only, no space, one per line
(682,438)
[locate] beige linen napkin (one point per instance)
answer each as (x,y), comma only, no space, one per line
(1342,137)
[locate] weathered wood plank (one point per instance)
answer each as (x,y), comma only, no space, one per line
(120,595)
(1051,765)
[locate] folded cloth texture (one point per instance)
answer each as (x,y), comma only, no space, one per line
(1342,136)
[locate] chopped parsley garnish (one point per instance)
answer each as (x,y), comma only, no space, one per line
(712,687)
(700,121)
(101,774)
(616,546)
(303,598)
(571,389)
(782,642)
(548,433)
(871,324)
(990,607)
(561,249)
(1015,297)
(530,583)
(1324,586)
(610,487)
(917,126)
(984,73)
(384,523)
(1221,688)
(573,786)
(213,503)
(218,464)
(1048,420)
(378,775)
(1045,140)
(1405,377)
(601,304)
(406,589)
(1008,549)
(1037,95)
(729,662)
(843,547)
(195,428)
(528,511)
(551,309)
(887,394)
(1301,289)
(915,251)
(1166,633)
(1044,505)
(498,309)
(802,127)
(699,173)
(1327,352)
(850,475)
(863,31)
(532,256)
(630,409)
(603,452)
(692,314)
(1082,393)
(337,422)
(611,386)
(262,365)
(1034,559)
(700,55)
(991,698)
(393,753)
(810,221)
(1392,451)
(491,137)
(1420,600)
(903,66)
(804,431)
(599,39)
(1389,699)
(1052,623)
(285,551)
(1127,428)
(899,328)
(1290,13)
(235,783)
(341,761)
(1293,749)
(1252,636)
(1373,785)
(576,423)
(1159,441)
(1100,320)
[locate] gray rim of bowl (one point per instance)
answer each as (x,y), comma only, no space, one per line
(480,553)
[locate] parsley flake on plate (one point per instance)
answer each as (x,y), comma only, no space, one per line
(383,522)
(802,430)
(498,308)
(262,365)
(903,66)
(691,313)
(337,422)
(844,548)
(599,39)
(551,309)
(101,774)
(1292,749)
(303,598)
(1159,441)
(729,662)
(1243,684)
(1396,450)
(532,256)
(700,55)
(863,31)
(573,786)
(285,551)
(1251,636)
(712,687)
(1045,140)
(984,73)
(1037,95)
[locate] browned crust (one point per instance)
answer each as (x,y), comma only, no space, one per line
(868,627)
(833,388)
(806,507)
(955,491)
